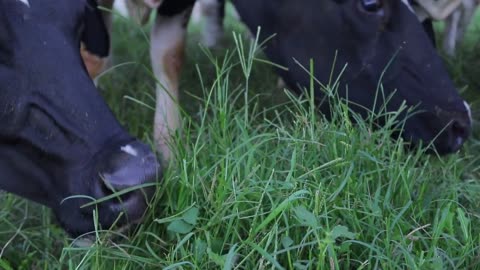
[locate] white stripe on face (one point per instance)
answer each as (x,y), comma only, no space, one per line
(408,5)
(129,150)
(468,110)
(25,2)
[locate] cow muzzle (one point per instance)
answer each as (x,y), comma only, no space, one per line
(127,180)
(442,130)
(457,130)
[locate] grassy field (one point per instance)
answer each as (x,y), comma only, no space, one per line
(262,181)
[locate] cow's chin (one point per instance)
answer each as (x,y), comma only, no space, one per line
(109,191)
(115,193)
(85,222)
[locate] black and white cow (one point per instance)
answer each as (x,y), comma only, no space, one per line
(378,40)
(59,142)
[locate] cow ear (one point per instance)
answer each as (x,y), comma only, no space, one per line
(95,36)
(153,4)
(6,36)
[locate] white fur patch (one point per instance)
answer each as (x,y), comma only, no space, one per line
(129,150)
(213,29)
(408,5)
(468,110)
(25,2)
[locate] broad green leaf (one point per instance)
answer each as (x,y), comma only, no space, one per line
(180,226)
(191,216)
(341,231)
(200,248)
(305,217)
(287,242)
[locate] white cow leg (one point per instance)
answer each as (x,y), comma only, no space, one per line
(468,11)
(167,52)
(213,12)
(451,32)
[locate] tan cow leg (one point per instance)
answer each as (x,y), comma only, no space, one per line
(167,40)
(138,11)
(167,51)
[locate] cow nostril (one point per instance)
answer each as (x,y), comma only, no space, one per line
(127,171)
(459,131)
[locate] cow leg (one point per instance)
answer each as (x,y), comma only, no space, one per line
(167,52)
(213,12)
(468,11)
(451,32)
(457,25)
(439,9)
(138,11)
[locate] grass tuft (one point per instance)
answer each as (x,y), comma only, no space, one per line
(262,180)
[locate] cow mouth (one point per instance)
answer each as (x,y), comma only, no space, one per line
(124,180)
(442,131)
(88,240)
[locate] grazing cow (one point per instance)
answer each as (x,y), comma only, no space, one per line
(60,145)
(377,40)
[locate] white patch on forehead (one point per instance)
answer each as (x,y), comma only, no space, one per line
(25,2)
(129,150)
(408,5)
(468,110)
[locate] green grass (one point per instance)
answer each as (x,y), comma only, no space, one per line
(268,183)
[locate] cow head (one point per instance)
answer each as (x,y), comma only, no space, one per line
(378,40)
(59,142)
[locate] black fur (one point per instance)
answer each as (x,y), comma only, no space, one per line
(173,7)
(58,137)
(95,34)
(428,26)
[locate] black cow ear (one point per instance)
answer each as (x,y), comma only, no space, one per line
(6,36)
(95,35)
(428,26)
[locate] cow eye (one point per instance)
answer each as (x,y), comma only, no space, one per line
(372,6)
